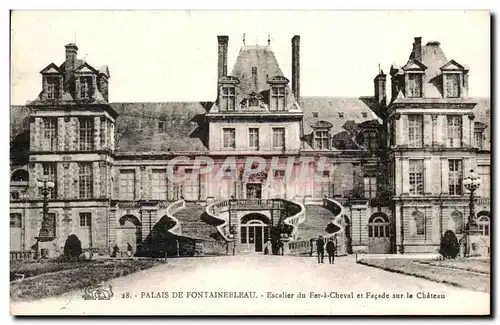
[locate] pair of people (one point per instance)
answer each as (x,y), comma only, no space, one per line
(330,249)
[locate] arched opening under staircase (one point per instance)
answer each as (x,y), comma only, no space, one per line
(379,238)
(254,232)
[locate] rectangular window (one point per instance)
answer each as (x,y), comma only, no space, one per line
(415,132)
(50,134)
(85,180)
(454,131)
(253,138)
(228,99)
(84,87)
(15,220)
(370,187)
(455,176)
(453,85)
(278,98)
(322,140)
(127,185)
(85,219)
(478,139)
(159,184)
(416,177)
(229,138)
(86,133)
(279,138)
(50,173)
(52,88)
(161,127)
(415,85)
(279,174)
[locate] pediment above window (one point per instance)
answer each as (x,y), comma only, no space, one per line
(252,101)
(278,80)
(414,65)
(253,95)
(51,69)
(229,80)
(480,126)
(453,65)
(85,69)
(322,125)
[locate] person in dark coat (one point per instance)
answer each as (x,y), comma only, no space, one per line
(129,250)
(330,250)
(320,249)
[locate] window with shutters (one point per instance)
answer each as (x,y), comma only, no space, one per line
(416,177)
(415,85)
(278,140)
(159,184)
(85,180)
(452,85)
(49,134)
(127,185)
(454,131)
(455,176)
(228,138)
(49,171)
(86,133)
(415,131)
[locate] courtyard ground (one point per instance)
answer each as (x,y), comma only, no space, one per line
(282,285)
(467,274)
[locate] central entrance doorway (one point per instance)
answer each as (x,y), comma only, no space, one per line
(254,232)
(254,191)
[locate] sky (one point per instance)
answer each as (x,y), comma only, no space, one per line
(156,56)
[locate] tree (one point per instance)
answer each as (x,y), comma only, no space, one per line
(449,247)
(72,247)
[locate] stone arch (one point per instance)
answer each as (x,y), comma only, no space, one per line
(20,175)
(129,232)
(255,216)
(483,222)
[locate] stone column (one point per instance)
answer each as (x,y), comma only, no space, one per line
(427,129)
(405,173)
(428,188)
(466,139)
(97,133)
(60,133)
(444,176)
(96,177)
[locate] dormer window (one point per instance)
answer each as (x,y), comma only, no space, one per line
(84,87)
(52,88)
(321,139)
(452,85)
(228,98)
(278,98)
(415,85)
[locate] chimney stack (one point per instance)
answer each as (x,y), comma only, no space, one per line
(296,66)
(380,88)
(417,49)
(222,63)
(71,52)
(255,80)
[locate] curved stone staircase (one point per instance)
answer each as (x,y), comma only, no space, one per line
(325,220)
(192,225)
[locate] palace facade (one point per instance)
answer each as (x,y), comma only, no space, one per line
(393,165)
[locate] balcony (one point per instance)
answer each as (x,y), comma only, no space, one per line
(483,201)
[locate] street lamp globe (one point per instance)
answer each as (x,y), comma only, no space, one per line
(50,184)
(39,184)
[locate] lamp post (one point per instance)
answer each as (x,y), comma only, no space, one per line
(45,186)
(471,184)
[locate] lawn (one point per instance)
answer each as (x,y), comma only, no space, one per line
(54,278)
(456,273)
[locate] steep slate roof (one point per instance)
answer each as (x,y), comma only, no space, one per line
(262,58)
(185,129)
(433,58)
(330,109)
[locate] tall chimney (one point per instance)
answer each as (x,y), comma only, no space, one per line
(71,51)
(296,66)
(380,88)
(222,63)
(255,80)
(417,49)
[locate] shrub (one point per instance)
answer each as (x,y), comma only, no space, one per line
(449,247)
(72,247)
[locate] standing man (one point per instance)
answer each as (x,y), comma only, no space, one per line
(320,248)
(129,250)
(330,249)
